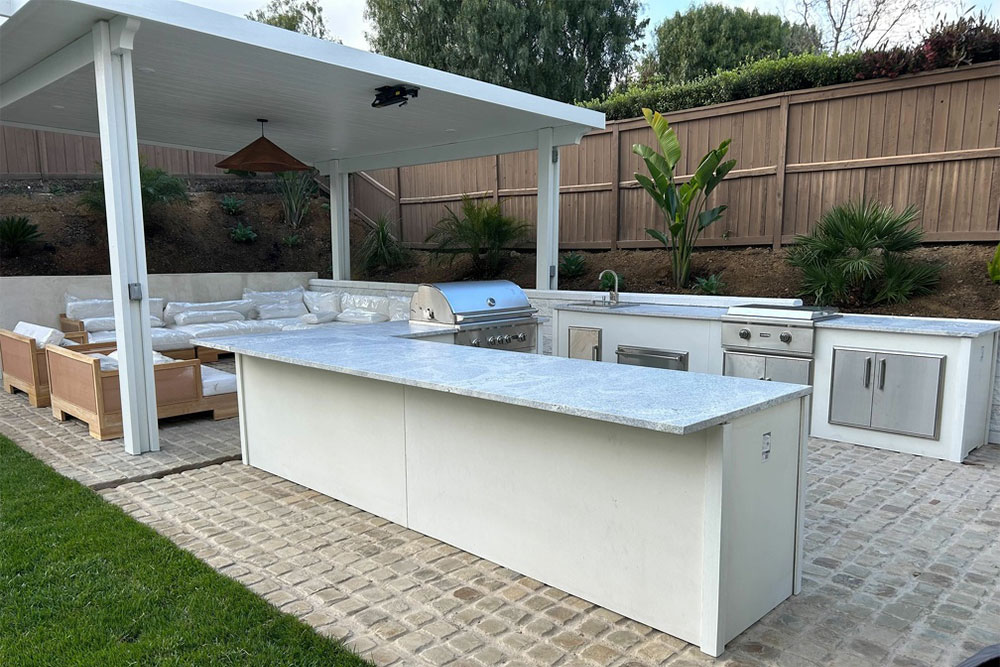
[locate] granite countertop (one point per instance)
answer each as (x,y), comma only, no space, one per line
(650,310)
(667,401)
(911,325)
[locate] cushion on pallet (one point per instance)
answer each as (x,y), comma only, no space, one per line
(206,316)
(43,335)
(241,306)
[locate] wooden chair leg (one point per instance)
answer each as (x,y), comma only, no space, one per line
(59,414)
(8,387)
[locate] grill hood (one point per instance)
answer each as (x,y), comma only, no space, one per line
(471,302)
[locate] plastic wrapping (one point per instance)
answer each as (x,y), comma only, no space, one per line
(93,324)
(318,318)
(158,358)
(271,311)
(206,316)
(368,302)
(81,309)
(322,302)
(362,316)
(233,328)
(242,306)
(215,382)
(399,308)
(107,363)
(43,335)
(263,298)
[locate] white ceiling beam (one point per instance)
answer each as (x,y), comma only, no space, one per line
(511,143)
(6,8)
(63,62)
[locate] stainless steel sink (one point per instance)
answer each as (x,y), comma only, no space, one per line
(603,304)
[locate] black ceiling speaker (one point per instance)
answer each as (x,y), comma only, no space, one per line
(386,96)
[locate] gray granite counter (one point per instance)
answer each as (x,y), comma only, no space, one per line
(911,325)
(649,310)
(666,401)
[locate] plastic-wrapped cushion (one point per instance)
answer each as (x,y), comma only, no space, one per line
(318,318)
(215,382)
(234,328)
(164,339)
(206,316)
(399,308)
(43,335)
(107,363)
(262,298)
(271,311)
(107,337)
(157,357)
(108,323)
(322,302)
(361,317)
(369,302)
(80,309)
(242,306)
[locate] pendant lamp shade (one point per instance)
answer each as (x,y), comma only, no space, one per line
(262,155)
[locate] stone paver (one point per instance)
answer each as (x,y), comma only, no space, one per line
(902,560)
(68,448)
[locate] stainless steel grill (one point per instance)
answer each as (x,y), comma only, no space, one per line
(771,342)
(488,313)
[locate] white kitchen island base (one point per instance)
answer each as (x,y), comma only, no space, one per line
(696,534)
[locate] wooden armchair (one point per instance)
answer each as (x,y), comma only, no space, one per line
(79,388)
(24,366)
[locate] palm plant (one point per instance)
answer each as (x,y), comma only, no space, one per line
(156,186)
(381,249)
(16,231)
(296,189)
(683,205)
(856,255)
(482,231)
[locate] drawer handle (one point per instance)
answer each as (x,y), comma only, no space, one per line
(595,353)
(867,378)
(881,374)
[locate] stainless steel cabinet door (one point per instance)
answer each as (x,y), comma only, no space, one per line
(787,369)
(744,365)
(851,387)
(907,388)
(584,343)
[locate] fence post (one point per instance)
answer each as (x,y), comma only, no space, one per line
(616,203)
(399,201)
(779,172)
(496,179)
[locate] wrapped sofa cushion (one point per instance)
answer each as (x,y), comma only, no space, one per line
(399,308)
(163,339)
(107,363)
(215,382)
(157,357)
(262,298)
(318,318)
(242,306)
(322,302)
(234,328)
(81,309)
(43,335)
(367,302)
(204,316)
(91,324)
(361,316)
(271,311)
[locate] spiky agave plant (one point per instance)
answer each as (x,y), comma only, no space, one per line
(857,255)
(381,249)
(480,230)
(16,232)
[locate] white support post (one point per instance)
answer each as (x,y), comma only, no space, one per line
(340,222)
(547,245)
(127,242)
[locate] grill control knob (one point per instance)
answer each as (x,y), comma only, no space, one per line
(475,342)
(745,334)
(506,339)
(521,337)
(492,340)
(785,337)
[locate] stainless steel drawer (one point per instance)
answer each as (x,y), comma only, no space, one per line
(633,355)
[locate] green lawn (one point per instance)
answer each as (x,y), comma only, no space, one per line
(83,583)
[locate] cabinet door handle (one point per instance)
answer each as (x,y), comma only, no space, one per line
(881,374)
(595,353)
(867,376)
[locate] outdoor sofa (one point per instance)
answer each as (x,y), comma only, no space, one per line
(22,356)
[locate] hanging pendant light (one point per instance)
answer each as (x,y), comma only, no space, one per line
(262,155)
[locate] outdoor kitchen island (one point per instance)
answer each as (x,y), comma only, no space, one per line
(672,498)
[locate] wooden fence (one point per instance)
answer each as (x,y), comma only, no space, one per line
(930,140)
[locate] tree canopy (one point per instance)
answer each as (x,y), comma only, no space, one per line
(563,49)
(305,16)
(709,37)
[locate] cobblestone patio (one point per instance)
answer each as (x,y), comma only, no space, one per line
(902,560)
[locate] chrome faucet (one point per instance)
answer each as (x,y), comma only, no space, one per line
(613,292)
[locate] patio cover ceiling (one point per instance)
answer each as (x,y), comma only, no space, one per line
(203,77)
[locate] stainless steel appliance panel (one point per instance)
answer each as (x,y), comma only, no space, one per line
(852,387)
(781,338)
(788,369)
(584,343)
(633,355)
(907,393)
(741,365)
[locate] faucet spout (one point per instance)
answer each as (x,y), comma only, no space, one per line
(614,291)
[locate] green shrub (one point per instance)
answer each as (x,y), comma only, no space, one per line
(572,265)
(232,205)
(16,232)
(243,233)
(481,231)
(857,255)
(296,189)
(292,241)
(156,186)
(713,284)
(993,266)
(607,282)
(381,249)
